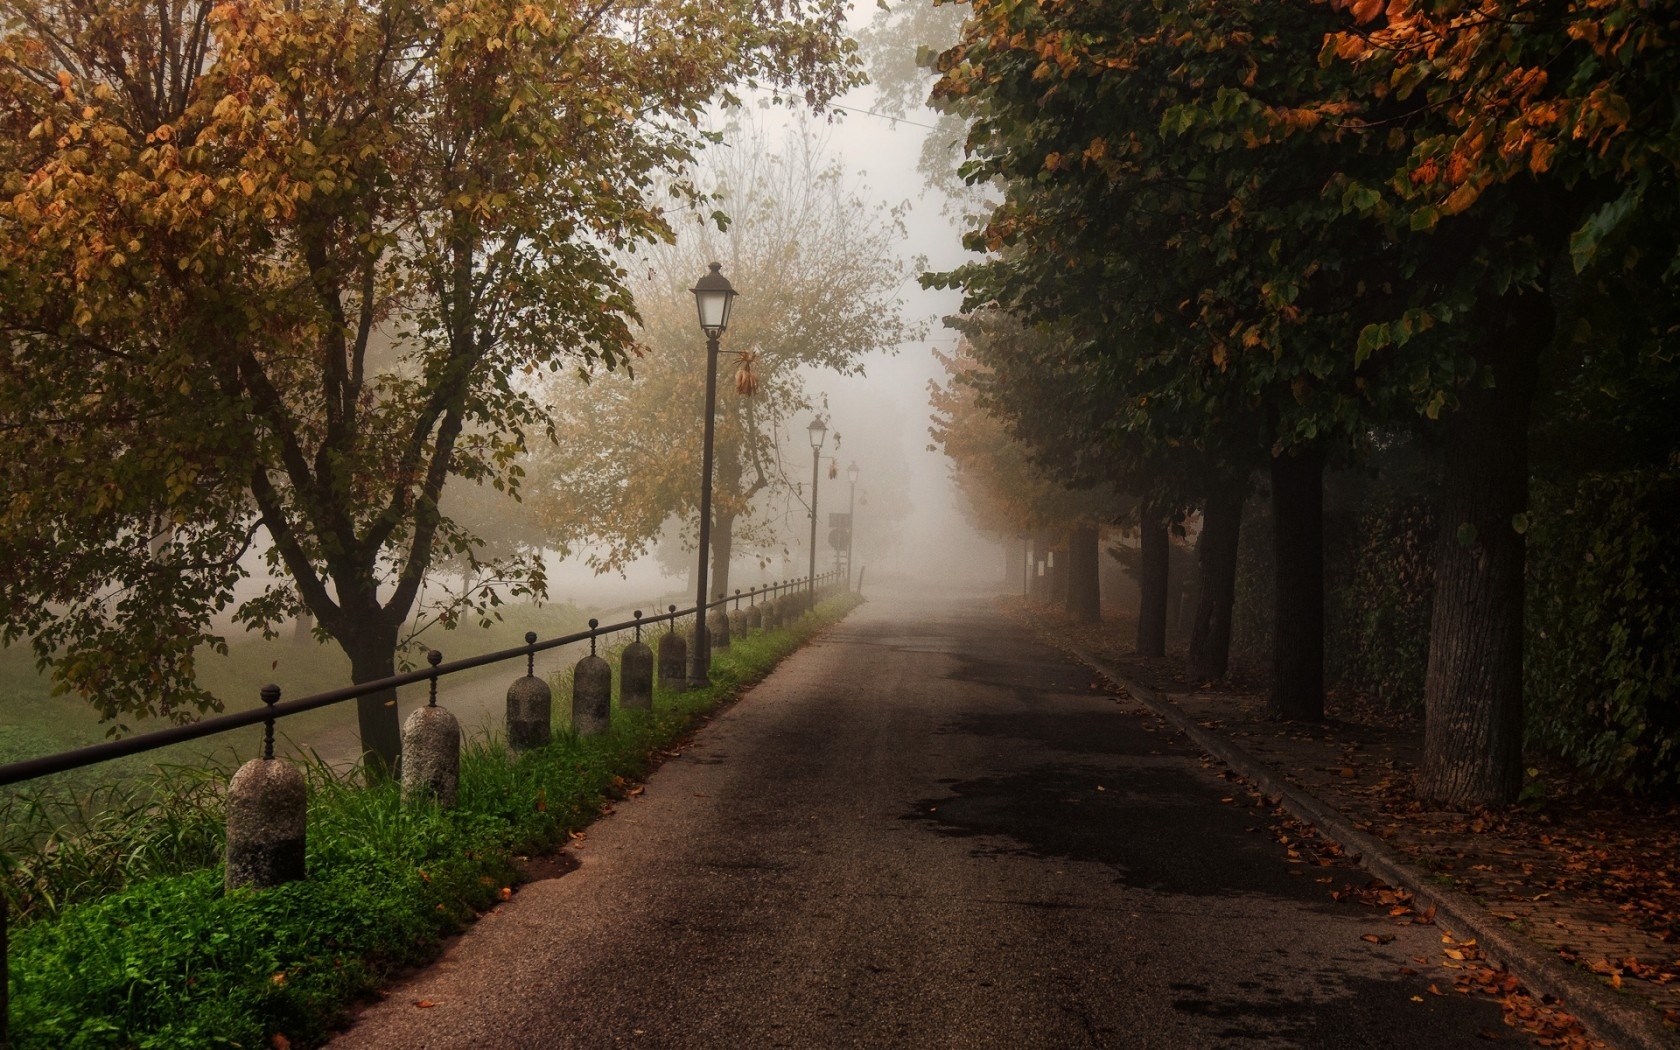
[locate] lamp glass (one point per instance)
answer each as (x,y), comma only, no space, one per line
(852,473)
(713,297)
(818,430)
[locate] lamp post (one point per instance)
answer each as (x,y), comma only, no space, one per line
(712,297)
(818,430)
(851,521)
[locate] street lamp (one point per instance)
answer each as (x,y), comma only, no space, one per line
(851,520)
(712,297)
(817,430)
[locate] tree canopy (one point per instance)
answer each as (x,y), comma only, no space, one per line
(1237,241)
(818,270)
(268,271)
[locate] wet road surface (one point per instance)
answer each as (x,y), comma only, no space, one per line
(927,829)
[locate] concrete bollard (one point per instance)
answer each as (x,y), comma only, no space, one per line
(591,696)
(530,706)
(431,756)
(691,638)
(267,815)
(431,750)
(635,670)
(673,662)
(530,713)
(737,623)
(267,808)
(755,619)
(717,629)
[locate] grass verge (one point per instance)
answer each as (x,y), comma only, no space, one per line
(169,960)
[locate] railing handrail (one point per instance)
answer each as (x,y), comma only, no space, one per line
(64,761)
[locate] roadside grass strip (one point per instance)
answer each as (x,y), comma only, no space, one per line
(166,959)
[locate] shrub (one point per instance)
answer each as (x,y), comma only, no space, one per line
(1602,658)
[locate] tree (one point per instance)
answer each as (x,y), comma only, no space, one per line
(1009,488)
(212,215)
(1174,195)
(1540,139)
(818,269)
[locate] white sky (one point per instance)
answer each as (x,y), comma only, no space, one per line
(883,416)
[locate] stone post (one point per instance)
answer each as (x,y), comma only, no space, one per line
(267,814)
(673,659)
(592,692)
(754,618)
(431,750)
(530,707)
(717,629)
(635,669)
(737,618)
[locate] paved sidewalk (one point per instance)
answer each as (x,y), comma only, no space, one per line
(1578,900)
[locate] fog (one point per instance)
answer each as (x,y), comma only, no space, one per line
(909,523)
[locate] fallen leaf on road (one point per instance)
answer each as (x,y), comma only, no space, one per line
(424,1003)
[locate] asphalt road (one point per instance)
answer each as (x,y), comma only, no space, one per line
(927,829)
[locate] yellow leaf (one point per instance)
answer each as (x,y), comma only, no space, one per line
(1460,199)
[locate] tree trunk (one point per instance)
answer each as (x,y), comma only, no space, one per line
(723,549)
(303,628)
(372,649)
(1298,613)
(1216,587)
(1084,593)
(1473,687)
(1153,554)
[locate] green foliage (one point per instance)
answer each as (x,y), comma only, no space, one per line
(1378,559)
(61,847)
(1603,656)
(1379,578)
(172,961)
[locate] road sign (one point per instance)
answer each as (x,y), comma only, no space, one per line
(839,539)
(840,520)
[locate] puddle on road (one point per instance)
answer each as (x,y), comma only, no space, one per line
(1110,732)
(1154,826)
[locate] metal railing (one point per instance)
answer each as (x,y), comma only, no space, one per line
(274,708)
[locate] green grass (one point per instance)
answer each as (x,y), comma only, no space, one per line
(155,954)
(33,722)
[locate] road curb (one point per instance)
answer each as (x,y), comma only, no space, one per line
(1606,1015)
